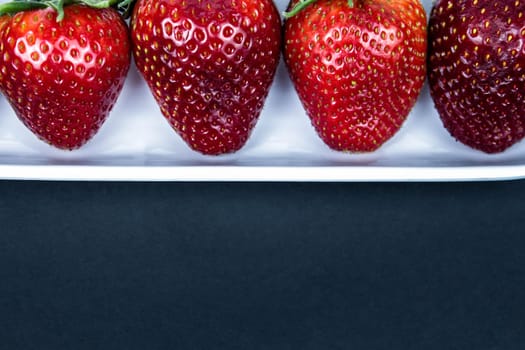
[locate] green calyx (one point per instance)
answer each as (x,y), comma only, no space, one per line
(304,3)
(12,7)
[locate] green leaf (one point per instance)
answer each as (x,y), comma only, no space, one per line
(123,6)
(13,7)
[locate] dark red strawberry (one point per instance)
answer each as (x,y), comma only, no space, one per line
(358,67)
(63,75)
(209,65)
(477,71)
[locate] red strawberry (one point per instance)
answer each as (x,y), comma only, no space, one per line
(62,76)
(358,68)
(209,65)
(477,71)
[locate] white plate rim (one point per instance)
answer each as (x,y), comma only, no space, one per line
(215,173)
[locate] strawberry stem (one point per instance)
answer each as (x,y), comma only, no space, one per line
(124,6)
(298,8)
(304,3)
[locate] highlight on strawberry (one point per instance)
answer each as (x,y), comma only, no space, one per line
(209,65)
(358,66)
(63,64)
(476,71)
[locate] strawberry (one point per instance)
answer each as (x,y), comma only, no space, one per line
(62,68)
(358,67)
(476,70)
(209,65)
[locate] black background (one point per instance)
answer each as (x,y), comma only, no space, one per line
(262,266)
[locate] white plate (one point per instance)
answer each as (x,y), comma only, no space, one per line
(136,143)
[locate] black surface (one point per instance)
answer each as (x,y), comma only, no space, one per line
(262,266)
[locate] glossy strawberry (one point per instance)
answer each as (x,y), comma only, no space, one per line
(209,65)
(63,76)
(358,68)
(477,71)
